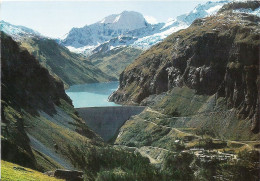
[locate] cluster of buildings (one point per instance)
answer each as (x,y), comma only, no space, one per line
(208,155)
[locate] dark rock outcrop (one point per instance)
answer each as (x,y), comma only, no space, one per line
(215,55)
(70,175)
(239,5)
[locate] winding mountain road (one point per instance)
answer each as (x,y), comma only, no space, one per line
(175,129)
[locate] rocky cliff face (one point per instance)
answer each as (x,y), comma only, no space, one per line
(215,55)
(34,108)
(26,81)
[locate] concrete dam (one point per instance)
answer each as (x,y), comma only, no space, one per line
(106,121)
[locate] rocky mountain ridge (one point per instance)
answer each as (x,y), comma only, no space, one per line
(134,28)
(217,55)
(70,67)
(180,22)
(106,29)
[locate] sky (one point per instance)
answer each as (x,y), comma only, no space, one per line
(55,18)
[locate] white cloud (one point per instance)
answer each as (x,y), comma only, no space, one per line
(150,19)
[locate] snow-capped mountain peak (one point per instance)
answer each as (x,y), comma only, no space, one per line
(201,10)
(109,19)
(127,20)
(108,28)
(134,24)
(180,22)
(18,32)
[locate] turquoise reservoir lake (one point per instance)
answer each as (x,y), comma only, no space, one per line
(92,95)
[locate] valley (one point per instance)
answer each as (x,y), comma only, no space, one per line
(155,135)
(125,99)
(110,123)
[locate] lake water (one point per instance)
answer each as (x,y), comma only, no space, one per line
(92,95)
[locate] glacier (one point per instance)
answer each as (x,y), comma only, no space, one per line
(132,24)
(179,23)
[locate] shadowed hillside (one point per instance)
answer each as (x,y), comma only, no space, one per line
(30,97)
(41,129)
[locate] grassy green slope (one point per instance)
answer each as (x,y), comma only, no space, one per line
(170,112)
(205,113)
(173,126)
(113,62)
(69,67)
(10,171)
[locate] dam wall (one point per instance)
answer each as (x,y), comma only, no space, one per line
(106,121)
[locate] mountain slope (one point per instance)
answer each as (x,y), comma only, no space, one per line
(10,171)
(180,22)
(127,23)
(215,56)
(112,58)
(30,98)
(114,61)
(60,62)
(132,24)
(18,32)
(69,67)
(41,129)
(127,20)
(104,30)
